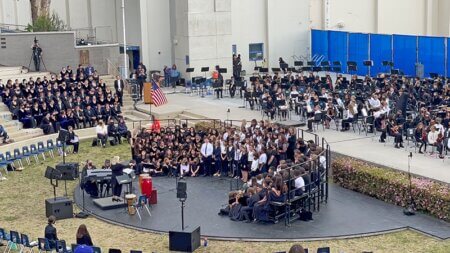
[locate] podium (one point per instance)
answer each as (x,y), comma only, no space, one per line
(148,93)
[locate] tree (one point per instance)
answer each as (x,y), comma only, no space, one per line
(39,8)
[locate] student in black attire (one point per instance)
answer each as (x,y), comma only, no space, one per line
(50,232)
(117,170)
(83,237)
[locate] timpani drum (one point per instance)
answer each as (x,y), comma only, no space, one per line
(131,199)
(147,186)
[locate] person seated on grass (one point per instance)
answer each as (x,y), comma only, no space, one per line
(296,248)
(4,134)
(83,237)
(50,232)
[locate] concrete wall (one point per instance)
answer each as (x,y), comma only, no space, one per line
(58,50)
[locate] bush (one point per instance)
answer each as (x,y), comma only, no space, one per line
(46,23)
(393,186)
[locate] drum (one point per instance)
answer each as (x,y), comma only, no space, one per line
(131,199)
(140,179)
(147,186)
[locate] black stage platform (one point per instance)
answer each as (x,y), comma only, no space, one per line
(347,214)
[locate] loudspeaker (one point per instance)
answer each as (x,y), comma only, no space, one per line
(181,190)
(69,171)
(51,173)
(186,240)
(60,207)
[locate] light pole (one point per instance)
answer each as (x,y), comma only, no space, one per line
(124,42)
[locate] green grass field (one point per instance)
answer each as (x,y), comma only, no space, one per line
(22,208)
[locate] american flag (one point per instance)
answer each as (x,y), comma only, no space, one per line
(158,96)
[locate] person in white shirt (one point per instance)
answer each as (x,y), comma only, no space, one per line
(262,160)
(206,151)
(102,132)
(374,102)
(299,181)
(254,167)
(433,139)
(184,167)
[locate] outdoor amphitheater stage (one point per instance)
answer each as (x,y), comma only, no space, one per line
(347,214)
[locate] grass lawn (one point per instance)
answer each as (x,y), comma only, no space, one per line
(22,207)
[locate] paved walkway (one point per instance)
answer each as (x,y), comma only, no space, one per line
(347,143)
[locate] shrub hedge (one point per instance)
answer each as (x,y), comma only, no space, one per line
(393,186)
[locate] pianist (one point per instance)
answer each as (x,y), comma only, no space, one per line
(89,185)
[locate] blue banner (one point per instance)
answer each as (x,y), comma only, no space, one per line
(405,54)
(358,51)
(319,43)
(338,47)
(380,50)
(432,55)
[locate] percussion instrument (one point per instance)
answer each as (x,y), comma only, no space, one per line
(131,199)
(147,186)
(140,179)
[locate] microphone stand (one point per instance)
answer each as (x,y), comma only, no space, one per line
(409,210)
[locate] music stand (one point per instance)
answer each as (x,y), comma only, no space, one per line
(298,63)
(276,70)
(395,71)
(284,66)
(351,66)
(205,70)
(189,70)
(388,64)
(223,70)
(368,64)
(264,70)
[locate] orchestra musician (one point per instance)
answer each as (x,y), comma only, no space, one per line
(89,186)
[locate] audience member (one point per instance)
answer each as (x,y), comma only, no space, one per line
(83,237)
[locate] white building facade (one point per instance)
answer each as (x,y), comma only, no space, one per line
(205,33)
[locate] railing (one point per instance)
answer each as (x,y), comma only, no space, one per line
(95,35)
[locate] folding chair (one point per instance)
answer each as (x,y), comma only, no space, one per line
(26,154)
(50,147)
(135,251)
(142,203)
(61,247)
(323,250)
(96,249)
(34,152)
(44,245)
(25,244)
(318,121)
(18,157)
(9,157)
(4,163)
(114,251)
(13,241)
(41,149)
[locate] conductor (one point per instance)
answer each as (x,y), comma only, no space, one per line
(37,54)
(117,169)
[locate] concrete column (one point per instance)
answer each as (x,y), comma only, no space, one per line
(67,13)
(145,51)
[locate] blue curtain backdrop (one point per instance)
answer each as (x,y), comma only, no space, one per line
(405,54)
(432,55)
(358,51)
(337,48)
(319,45)
(380,50)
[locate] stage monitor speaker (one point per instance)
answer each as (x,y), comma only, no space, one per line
(181,190)
(63,135)
(69,171)
(60,207)
(187,240)
(51,173)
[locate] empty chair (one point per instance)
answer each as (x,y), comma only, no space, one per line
(26,154)
(41,149)
(141,204)
(14,239)
(61,247)
(34,152)
(4,163)
(114,251)
(135,251)
(97,249)
(18,157)
(9,157)
(44,245)
(26,245)
(323,250)
(50,147)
